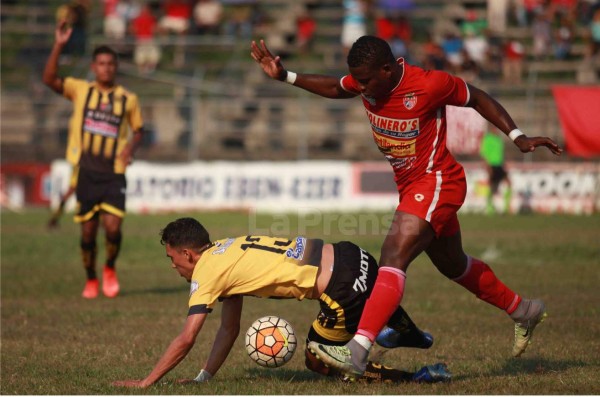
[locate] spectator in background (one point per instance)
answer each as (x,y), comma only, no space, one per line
(147,53)
(176,18)
(305,28)
(562,8)
(452,45)
(397,31)
(115,25)
(564,38)
(354,23)
(541,30)
(208,15)
(434,56)
(594,48)
(476,46)
(393,25)
(526,10)
(512,65)
(239,19)
(469,69)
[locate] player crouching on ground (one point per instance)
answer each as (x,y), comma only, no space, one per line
(341,276)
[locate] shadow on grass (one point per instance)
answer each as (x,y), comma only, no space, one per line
(536,366)
(283,375)
(157,290)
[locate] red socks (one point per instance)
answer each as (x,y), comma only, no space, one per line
(384,300)
(481,280)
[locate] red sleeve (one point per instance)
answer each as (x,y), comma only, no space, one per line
(446,89)
(349,84)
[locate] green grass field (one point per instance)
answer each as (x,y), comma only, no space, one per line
(54,342)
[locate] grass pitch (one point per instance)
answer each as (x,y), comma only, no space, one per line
(54,342)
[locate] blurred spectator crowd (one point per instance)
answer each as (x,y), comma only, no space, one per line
(473,42)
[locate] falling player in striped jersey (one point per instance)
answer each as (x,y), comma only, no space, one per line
(405,106)
(340,276)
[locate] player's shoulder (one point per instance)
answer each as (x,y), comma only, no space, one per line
(126,92)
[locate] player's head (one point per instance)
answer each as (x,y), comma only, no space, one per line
(104,64)
(372,63)
(184,240)
(185,233)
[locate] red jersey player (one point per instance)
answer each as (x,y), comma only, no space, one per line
(406,109)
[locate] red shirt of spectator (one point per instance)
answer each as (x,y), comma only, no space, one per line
(144,25)
(178,9)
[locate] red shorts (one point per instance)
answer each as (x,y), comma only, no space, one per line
(436,198)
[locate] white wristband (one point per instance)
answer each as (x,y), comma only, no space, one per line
(514,134)
(203,376)
(291,77)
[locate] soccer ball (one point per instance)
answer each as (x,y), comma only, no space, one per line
(271,341)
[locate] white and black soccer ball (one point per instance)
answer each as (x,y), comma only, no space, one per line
(271,341)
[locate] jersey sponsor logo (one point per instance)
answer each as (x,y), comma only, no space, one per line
(405,163)
(298,252)
(193,287)
(410,100)
(360,283)
(394,128)
(102,123)
(223,247)
(395,148)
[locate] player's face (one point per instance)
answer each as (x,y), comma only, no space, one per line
(181,261)
(104,67)
(374,82)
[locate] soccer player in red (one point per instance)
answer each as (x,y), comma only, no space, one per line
(406,109)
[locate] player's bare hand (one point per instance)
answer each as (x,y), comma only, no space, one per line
(129,383)
(185,381)
(126,155)
(527,144)
(270,64)
(62,33)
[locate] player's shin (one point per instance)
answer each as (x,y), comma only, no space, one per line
(481,280)
(113,246)
(88,255)
(384,300)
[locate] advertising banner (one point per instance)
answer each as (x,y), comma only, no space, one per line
(579,118)
(336,186)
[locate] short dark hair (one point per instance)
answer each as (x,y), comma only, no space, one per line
(185,232)
(370,51)
(104,49)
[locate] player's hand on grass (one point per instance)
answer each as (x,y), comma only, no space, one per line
(527,144)
(130,383)
(62,33)
(270,64)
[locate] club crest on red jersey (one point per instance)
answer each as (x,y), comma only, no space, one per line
(410,100)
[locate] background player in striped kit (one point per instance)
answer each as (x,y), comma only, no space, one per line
(100,144)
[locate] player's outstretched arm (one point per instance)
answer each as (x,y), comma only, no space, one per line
(226,335)
(176,352)
(326,86)
(495,113)
(50,77)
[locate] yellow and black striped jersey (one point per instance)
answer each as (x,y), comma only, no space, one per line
(259,266)
(99,125)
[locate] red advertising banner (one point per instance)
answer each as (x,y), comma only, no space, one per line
(579,113)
